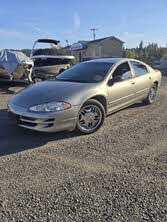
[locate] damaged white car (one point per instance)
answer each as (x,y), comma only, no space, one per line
(15,66)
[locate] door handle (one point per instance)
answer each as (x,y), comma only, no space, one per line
(133,82)
(149,77)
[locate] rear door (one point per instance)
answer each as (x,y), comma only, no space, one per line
(142,79)
(122,92)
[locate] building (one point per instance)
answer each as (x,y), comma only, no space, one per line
(99,48)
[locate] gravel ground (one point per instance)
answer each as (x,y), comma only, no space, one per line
(116,174)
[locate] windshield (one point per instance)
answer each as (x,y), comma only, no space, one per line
(90,72)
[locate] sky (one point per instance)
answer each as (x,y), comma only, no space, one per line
(23,22)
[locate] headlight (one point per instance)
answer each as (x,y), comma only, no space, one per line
(50,107)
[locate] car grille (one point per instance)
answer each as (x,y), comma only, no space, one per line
(34,122)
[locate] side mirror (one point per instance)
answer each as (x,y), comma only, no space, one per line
(118,79)
(110,82)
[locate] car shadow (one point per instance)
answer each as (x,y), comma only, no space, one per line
(14,139)
(136,105)
(7,87)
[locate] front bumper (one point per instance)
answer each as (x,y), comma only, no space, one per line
(46,122)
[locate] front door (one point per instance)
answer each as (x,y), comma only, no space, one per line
(122,92)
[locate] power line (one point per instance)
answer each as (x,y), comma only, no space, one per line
(94,33)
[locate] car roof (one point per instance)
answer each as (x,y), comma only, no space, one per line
(109,60)
(116,60)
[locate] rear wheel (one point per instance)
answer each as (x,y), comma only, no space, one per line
(91,117)
(151,95)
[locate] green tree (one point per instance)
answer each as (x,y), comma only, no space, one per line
(132,54)
(164,52)
(141,46)
(147,54)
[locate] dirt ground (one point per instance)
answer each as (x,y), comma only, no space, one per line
(116,174)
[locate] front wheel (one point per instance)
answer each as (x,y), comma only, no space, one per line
(151,95)
(91,117)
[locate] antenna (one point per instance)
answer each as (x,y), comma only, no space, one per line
(94,33)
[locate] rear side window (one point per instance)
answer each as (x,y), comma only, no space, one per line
(139,68)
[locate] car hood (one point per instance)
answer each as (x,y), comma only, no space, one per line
(48,91)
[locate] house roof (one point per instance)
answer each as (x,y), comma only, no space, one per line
(83,41)
(97,40)
(102,39)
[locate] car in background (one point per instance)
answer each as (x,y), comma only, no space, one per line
(83,95)
(47,62)
(15,66)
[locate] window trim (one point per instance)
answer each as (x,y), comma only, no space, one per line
(148,71)
(110,75)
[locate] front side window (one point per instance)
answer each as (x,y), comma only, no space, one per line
(122,72)
(139,68)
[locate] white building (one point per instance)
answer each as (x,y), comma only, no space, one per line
(99,48)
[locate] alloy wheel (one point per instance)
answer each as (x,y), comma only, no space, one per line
(90,117)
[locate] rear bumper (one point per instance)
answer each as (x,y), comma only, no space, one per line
(45,122)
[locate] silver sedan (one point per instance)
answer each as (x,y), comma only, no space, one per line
(82,96)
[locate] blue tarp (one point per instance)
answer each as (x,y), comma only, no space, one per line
(11,59)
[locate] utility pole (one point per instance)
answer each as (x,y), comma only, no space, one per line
(94,33)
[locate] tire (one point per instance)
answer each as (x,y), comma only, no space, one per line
(91,117)
(61,70)
(151,95)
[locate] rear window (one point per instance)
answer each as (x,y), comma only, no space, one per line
(139,68)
